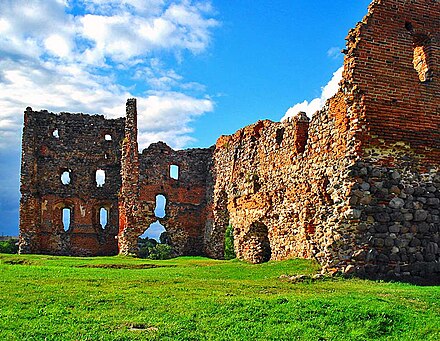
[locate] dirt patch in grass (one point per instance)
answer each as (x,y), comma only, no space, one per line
(17,261)
(124,266)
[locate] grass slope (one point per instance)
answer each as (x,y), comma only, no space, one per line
(193,298)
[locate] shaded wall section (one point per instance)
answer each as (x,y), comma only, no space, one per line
(69,148)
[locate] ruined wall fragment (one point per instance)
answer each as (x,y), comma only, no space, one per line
(146,175)
(77,145)
(356,187)
(282,187)
(361,193)
(393,58)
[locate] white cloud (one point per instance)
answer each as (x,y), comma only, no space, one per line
(109,7)
(334,52)
(125,35)
(117,30)
(164,115)
(57,45)
(317,103)
(75,67)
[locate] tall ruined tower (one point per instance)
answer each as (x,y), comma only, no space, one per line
(392,88)
(129,206)
(147,175)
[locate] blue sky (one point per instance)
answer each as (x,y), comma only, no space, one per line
(198,68)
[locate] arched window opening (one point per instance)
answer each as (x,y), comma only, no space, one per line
(422,46)
(55,133)
(65,177)
(103,217)
(174,172)
(257,240)
(100,178)
(154,243)
(66,218)
(159,210)
(107,137)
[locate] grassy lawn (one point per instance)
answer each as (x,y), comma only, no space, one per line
(194,298)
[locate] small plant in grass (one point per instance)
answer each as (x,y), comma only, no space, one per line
(229,243)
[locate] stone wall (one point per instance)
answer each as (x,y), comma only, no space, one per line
(147,175)
(392,69)
(77,145)
(283,187)
(356,187)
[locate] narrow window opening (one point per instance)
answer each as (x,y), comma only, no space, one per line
(108,137)
(159,210)
(66,218)
(103,217)
(174,172)
(55,133)
(100,178)
(421,57)
(65,177)
(280,135)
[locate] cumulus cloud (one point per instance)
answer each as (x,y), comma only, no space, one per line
(317,103)
(76,66)
(163,115)
(115,31)
(167,115)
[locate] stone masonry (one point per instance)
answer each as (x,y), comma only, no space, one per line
(356,187)
(74,145)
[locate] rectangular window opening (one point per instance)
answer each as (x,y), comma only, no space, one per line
(174,172)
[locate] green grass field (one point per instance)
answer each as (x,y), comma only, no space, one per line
(193,298)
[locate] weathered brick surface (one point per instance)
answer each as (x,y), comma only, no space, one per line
(347,197)
(79,146)
(146,175)
(396,106)
(356,187)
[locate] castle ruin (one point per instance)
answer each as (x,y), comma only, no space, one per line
(356,187)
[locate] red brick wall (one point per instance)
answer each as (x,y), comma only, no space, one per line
(379,64)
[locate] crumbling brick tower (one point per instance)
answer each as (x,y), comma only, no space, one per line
(70,177)
(78,168)
(357,187)
(392,88)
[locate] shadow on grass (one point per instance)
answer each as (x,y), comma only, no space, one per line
(432,280)
(125,266)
